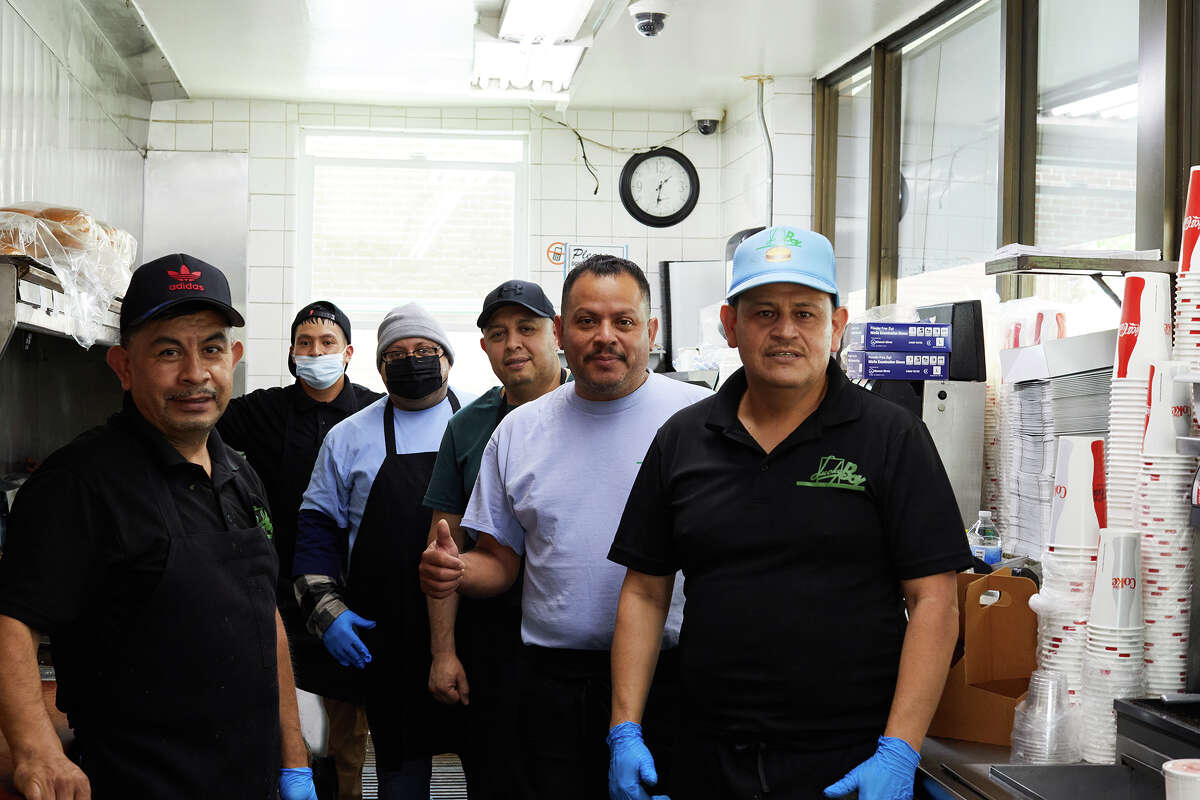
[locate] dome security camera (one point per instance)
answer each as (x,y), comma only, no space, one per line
(650,16)
(707,119)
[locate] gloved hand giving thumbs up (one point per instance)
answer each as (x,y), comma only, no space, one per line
(441,567)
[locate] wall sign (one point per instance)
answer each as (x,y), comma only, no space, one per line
(574,254)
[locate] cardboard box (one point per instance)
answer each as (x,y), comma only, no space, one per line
(899,337)
(897,366)
(1059,357)
(995,655)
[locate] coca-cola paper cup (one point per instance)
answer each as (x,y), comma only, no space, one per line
(1144,334)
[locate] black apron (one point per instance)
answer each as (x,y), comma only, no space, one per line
(188,705)
(382,585)
(317,671)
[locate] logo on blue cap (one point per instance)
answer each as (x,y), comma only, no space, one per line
(784,255)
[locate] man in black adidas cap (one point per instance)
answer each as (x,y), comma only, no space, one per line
(280,430)
(143,549)
(517,333)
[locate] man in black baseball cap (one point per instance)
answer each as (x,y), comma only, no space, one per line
(143,548)
(517,327)
(280,429)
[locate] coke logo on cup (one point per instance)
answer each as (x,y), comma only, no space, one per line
(1060,491)
(1129,329)
(1181,411)
(1124,583)
(1191,222)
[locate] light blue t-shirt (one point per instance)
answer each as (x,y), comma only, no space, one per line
(353,452)
(552,486)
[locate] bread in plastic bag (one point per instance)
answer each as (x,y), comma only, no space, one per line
(92,259)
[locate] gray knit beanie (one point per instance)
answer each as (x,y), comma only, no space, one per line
(403,322)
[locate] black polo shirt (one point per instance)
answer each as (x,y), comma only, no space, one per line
(280,430)
(792,560)
(87,542)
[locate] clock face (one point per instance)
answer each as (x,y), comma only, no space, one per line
(660,186)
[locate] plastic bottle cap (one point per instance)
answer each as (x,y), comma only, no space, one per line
(985,515)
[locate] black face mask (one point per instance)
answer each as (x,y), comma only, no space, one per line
(413,377)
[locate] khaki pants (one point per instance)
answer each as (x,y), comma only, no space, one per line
(347,745)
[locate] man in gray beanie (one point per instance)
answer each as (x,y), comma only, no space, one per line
(360,533)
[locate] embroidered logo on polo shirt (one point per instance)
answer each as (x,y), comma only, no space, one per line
(263,520)
(836,473)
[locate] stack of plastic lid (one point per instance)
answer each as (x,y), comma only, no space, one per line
(1187,281)
(1144,337)
(1078,512)
(1113,660)
(1182,778)
(1045,729)
(1161,509)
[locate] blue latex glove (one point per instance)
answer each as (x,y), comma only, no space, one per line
(296,783)
(887,775)
(343,643)
(631,769)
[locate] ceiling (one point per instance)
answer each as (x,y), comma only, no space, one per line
(416,52)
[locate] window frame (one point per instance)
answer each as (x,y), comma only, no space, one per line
(1168,132)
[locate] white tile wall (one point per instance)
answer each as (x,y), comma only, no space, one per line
(562,202)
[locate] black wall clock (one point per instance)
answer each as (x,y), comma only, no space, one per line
(660,187)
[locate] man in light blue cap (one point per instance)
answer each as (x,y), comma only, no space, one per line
(806,514)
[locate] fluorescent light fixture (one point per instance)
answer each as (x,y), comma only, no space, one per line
(1127,111)
(1098,103)
(501,65)
(544,21)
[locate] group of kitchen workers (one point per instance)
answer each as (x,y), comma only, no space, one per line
(746,594)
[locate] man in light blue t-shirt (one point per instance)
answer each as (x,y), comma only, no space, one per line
(552,485)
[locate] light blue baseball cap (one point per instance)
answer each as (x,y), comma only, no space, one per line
(784,255)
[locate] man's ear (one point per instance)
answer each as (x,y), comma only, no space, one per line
(728,321)
(841,317)
(237,350)
(118,360)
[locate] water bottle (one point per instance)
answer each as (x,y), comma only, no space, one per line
(984,539)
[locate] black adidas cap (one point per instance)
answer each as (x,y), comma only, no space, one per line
(514,292)
(170,281)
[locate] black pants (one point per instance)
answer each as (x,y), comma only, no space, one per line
(566,700)
(710,768)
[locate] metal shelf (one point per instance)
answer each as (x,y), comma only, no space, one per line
(1064,265)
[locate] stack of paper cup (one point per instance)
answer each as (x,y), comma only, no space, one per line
(1077,513)
(1144,337)
(1161,507)
(1187,281)
(1113,659)
(1182,778)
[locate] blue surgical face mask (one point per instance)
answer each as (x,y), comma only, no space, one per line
(320,372)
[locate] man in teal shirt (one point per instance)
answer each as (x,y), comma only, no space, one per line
(518,336)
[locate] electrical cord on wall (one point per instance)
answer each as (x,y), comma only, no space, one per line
(583,147)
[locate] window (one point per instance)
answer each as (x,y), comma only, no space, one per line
(1087,111)
(853,198)
(951,103)
(1086,124)
(395,218)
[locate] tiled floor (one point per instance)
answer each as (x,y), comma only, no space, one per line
(448,783)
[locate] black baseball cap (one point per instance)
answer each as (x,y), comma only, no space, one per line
(514,292)
(319,309)
(173,280)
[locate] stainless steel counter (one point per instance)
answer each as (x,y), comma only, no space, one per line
(964,771)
